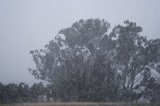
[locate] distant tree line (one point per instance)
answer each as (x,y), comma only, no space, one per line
(20,93)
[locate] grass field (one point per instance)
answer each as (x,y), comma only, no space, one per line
(79,104)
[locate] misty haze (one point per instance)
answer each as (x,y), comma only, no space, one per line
(79,53)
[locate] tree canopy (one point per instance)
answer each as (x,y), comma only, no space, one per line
(88,62)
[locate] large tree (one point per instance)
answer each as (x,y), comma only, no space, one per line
(86,63)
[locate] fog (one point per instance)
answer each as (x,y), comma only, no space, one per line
(30,24)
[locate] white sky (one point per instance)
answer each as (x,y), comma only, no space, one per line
(30,24)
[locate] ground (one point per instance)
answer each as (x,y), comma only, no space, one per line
(79,104)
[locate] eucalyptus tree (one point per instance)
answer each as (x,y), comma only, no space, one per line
(85,62)
(136,58)
(75,62)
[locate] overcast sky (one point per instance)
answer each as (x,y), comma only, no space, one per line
(30,24)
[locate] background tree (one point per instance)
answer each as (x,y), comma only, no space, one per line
(11,93)
(24,92)
(1,93)
(37,92)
